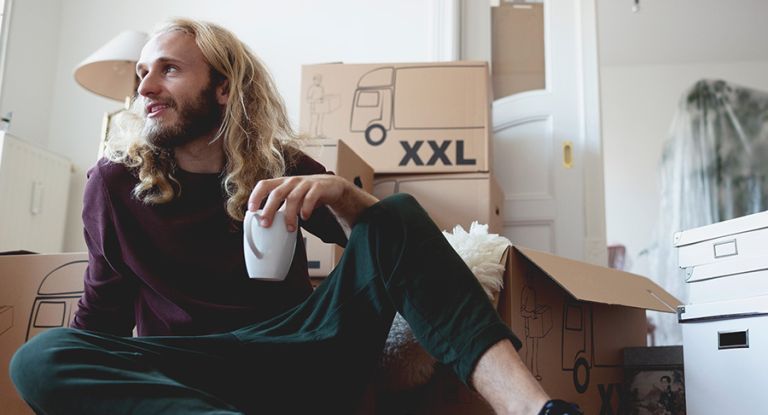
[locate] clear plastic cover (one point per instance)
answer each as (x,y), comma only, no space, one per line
(714,167)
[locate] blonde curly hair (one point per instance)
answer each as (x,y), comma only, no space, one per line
(258,140)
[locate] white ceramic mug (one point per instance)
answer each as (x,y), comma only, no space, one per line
(268,251)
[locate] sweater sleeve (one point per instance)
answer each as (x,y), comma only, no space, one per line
(108,298)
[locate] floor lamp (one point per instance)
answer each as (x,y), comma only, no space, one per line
(111,72)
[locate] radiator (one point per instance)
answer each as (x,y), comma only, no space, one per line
(34,187)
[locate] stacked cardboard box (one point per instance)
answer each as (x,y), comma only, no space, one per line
(725,323)
(424,128)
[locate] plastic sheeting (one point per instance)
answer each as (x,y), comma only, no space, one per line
(714,167)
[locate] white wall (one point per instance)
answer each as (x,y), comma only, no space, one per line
(31,56)
(284,34)
(647,60)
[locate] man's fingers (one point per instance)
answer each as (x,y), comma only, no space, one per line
(301,195)
(274,201)
(260,192)
(311,199)
(294,203)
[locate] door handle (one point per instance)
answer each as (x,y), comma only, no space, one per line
(567,154)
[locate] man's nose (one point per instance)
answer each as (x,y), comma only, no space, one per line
(148,86)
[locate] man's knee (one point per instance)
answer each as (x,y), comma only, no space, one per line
(400,201)
(36,363)
(407,209)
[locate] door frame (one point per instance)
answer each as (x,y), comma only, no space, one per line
(452,42)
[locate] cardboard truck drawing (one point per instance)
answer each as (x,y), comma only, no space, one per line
(428,117)
(38,292)
(57,298)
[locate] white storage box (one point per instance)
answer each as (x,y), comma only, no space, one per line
(725,345)
(742,237)
(728,280)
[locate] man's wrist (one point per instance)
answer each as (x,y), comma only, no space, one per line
(352,203)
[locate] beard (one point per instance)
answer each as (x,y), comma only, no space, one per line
(196,118)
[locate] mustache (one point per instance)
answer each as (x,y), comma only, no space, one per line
(145,102)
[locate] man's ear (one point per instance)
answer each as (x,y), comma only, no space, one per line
(222,92)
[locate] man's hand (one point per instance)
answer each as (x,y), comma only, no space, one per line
(302,194)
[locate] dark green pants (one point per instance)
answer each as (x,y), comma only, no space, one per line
(317,357)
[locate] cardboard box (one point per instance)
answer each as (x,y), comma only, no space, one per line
(403,117)
(339,158)
(724,348)
(517,36)
(450,199)
(575,319)
(38,292)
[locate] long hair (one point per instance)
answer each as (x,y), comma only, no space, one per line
(258,140)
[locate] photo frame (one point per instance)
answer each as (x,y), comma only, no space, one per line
(654,381)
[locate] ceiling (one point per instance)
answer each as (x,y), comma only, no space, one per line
(682,31)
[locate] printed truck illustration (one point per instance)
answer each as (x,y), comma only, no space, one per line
(416,98)
(6,318)
(56,299)
(588,340)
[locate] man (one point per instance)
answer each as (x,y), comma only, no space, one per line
(163,226)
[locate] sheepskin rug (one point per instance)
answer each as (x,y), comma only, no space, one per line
(404,363)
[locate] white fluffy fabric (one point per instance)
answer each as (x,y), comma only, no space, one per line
(405,364)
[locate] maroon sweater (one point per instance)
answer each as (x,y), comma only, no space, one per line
(178,268)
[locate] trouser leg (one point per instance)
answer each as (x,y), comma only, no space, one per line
(396,260)
(69,371)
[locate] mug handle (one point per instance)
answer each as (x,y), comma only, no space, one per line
(249,235)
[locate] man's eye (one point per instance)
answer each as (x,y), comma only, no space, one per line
(171,69)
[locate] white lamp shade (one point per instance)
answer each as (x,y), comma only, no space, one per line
(111,70)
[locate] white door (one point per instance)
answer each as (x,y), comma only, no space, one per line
(547,150)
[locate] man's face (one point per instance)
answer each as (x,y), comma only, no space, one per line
(181,102)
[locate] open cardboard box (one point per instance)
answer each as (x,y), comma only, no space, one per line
(38,292)
(574,320)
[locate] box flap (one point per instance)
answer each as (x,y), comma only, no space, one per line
(594,283)
(720,229)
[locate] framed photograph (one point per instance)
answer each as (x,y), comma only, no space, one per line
(654,381)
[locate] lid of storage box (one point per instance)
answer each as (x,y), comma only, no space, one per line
(594,283)
(720,229)
(723,310)
(726,268)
